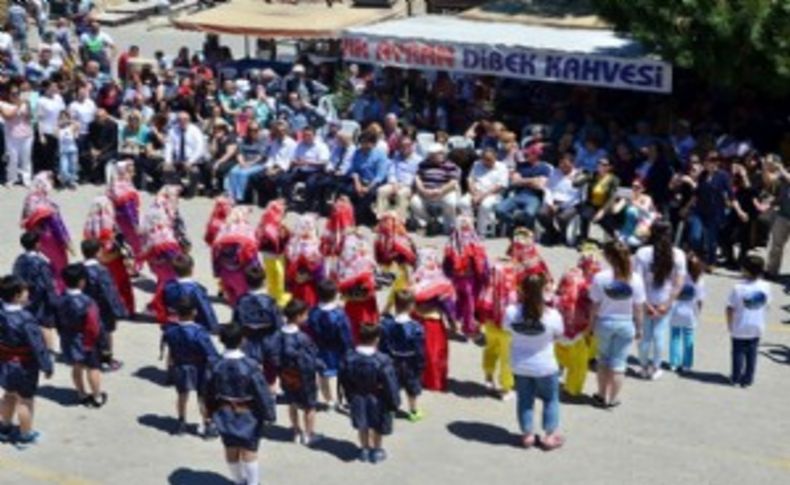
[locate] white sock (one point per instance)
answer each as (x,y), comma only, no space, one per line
(252,472)
(236,471)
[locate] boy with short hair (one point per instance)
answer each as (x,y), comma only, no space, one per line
(260,319)
(101,287)
(35,270)
(23,355)
(403,340)
(230,403)
(186,286)
(298,364)
(331,330)
(746,307)
(80,331)
(371,386)
(191,352)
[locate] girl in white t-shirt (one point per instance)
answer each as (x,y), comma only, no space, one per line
(618,296)
(534,328)
(685,315)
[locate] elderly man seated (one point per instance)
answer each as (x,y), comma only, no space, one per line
(561,200)
(437,190)
(487,180)
(397,191)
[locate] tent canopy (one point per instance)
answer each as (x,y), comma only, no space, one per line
(577,56)
(305,20)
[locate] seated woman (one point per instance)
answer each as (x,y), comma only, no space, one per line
(601,192)
(134,136)
(638,213)
(250,161)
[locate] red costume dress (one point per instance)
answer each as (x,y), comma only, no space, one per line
(339,222)
(272,236)
(524,254)
(466,262)
(395,252)
(500,292)
(356,281)
(304,262)
(126,201)
(222,207)
(234,249)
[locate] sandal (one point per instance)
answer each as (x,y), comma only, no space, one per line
(552,442)
(528,441)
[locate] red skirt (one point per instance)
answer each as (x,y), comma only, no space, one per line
(437,352)
(164,272)
(120,276)
(57,254)
(307,292)
(359,312)
(234,284)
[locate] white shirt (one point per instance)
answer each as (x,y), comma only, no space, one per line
(749,300)
(194,145)
(280,153)
(83,112)
(315,155)
(533,355)
(643,260)
(560,190)
(49,110)
(685,312)
(6,41)
(616,298)
(485,179)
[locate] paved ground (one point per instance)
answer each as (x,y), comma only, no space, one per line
(677,430)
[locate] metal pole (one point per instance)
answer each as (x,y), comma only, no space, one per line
(246,47)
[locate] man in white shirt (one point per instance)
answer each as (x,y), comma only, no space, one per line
(83,111)
(309,165)
(560,201)
(185,150)
(396,193)
(271,181)
(487,180)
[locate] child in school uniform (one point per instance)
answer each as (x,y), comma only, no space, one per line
(331,331)
(299,365)
(190,353)
(36,272)
(685,315)
(260,319)
(101,288)
(273,237)
(395,253)
(186,286)
(403,340)
(239,403)
(304,261)
(356,281)
(371,385)
(23,356)
(746,307)
(79,325)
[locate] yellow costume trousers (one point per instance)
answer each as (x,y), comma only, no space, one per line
(274,267)
(401,283)
(574,358)
(497,350)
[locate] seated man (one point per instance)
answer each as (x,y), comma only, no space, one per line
(397,192)
(184,151)
(369,167)
(527,184)
(102,146)
(269,183)
(309,166)
(487,181)
(562,197)
(437,188)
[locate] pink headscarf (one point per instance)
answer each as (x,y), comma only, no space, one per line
(121,190)
(357,267)
(38,203)
(428,280)
(238,231)
(100,224)
(304,242)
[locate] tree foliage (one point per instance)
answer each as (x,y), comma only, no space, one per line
(730,43)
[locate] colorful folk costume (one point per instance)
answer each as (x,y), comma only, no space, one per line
(222,208)
(304,262)
(500,292)
(160,246)
(466,263)
(576,347)
(41,214)
(524,253)
(356,281)
(272,238)
(234,250)
(340,221)
(435,301)
(395,252)
(126,200)
(101,226)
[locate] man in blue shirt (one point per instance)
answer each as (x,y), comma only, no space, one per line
(527,183)
(369,169)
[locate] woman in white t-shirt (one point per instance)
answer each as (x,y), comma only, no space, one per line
(663,270)
(618,296)
(534,328)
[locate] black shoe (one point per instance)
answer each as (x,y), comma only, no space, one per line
(181,428)
(210,431)
(101,401)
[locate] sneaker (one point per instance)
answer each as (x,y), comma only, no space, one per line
(508,396)
(645,373)
(298,436)
(490,385)
(210,431)
(6,432)
(313,439)
(377,456)
(657,375)
(330,405)
(24,441)
(364,455)
(181,428)
(86,400)
(101,401)
(415,416)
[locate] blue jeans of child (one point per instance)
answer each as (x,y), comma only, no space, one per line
(69,167)
(681,347)
(654,338)
(744,360)
(547,389)
(525,202)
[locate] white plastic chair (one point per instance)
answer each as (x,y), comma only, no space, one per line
(350,127)
(424,141)
(459,143)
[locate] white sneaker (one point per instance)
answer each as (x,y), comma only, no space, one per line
(657,375)
(508,396)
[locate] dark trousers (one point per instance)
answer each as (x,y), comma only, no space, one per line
(45,155)
(218,173)
(363,204)
(744,360)
(314,198)
(188,177)
(704,236)
(92,168)
(555,222)
(268,187)
(587,213)
(145,169)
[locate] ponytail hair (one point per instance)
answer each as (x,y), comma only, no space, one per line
(532,303)
(694,266)
(619,257)
(661,238)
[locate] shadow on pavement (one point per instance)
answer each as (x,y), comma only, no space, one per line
(483,433)
(706,377)
(343,450)
(778,353)
(272,432)
(165,424)
(468,389)
(61,395)
(153,374)
(187,476)
(580,400)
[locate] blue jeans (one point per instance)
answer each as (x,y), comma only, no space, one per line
(615,335)
(681,347)
(703,234)
(239,178)
(654,338)
(69,167)
(744,360)
(547,389)
(526,203)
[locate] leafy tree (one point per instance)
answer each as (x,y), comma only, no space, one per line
(730,43)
